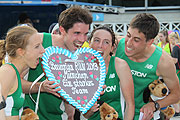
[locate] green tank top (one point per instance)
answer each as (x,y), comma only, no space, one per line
(143,73)
(112,91)
(49,105)
(15,101)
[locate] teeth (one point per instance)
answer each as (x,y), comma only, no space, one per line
(78,45)
(100,51)
(129,48)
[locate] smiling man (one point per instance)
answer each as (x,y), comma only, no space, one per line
(147,62)
(74,25)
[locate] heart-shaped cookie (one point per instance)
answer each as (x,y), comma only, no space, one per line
(81,74)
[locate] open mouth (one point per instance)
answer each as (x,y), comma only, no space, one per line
(78,45)
(129,49)
(101,52)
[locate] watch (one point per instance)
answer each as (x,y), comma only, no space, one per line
(3,103)
(156,105)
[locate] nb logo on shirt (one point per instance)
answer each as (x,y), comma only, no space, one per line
(112,75)
(148,66)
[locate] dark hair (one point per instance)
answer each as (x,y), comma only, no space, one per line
(74,15)
(165,33)
(147,24)
(104,27)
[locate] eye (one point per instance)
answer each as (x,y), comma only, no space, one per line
(76,33)
(152,88)
(37,46)
(108,115)
(106,42)
(96,40)
(114,112)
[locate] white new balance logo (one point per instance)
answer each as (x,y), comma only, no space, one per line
(112,75)
(148,66)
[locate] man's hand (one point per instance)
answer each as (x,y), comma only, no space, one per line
(148,111)
(48,86)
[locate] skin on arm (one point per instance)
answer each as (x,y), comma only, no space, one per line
(9,84)
(2,113)
(69,109)
(90,112)
(47,86)
(166,69)
(127,86)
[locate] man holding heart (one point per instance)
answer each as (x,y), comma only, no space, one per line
(74,25)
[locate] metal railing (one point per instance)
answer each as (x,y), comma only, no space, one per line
(121,28)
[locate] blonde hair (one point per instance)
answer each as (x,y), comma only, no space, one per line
(175,35)
(16,37)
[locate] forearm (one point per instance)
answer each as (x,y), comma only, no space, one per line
(26,86)
(172,98)
(129,112)
(88,114)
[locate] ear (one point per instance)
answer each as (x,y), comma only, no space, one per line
(146,95)
(62,30)
(20,52)
(150,42)
(112,49)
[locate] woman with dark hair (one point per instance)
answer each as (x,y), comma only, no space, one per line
(118,76)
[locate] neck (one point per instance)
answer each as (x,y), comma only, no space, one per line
(143,56)
(19,64)
(107,60)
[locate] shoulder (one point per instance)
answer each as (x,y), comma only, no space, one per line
(120,62)
(56,38)
(165,62)
(7,73)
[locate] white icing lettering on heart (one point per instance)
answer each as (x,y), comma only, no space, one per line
(80,75)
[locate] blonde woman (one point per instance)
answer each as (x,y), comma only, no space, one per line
(23,45)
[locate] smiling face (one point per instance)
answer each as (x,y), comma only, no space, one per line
(162,38)
(75,36)
(33,50)
(135,43)
(101,41)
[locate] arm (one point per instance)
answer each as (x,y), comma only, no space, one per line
(47,86)
(92,110)
(166,69)
(127,86)
(2,113)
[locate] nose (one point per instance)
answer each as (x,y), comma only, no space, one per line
(100,45)
(82,38)
(129,41)
(164,90)
(42,49)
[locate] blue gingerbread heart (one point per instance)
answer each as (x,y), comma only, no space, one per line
(80,75)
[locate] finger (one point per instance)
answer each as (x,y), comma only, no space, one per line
(56,89)
(104,86)
(102,93)
(56,94)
